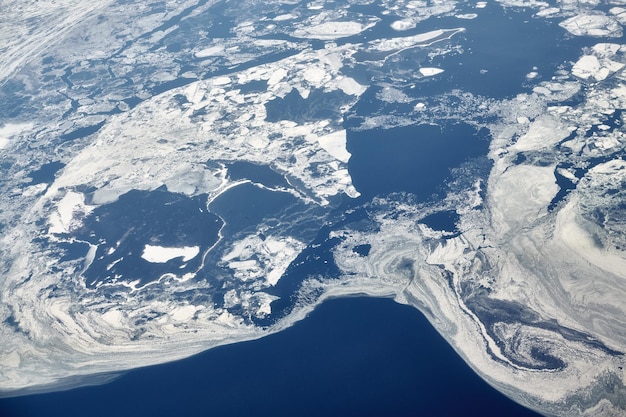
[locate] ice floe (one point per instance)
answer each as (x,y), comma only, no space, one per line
(467,16)
(335,144)
(253,258)
(401,25)
(330,30)
(162,254)
(429,72)
(596,25)
(598,65)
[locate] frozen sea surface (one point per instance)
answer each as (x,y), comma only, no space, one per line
(179,177)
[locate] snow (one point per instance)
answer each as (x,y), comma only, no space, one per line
(10,360)
(571,231)
(421,39)
(253,258)
(37,25)
(277,77)
(520,195)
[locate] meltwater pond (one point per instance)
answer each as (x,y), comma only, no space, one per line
(350,357)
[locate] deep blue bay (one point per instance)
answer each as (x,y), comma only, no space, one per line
(350,357)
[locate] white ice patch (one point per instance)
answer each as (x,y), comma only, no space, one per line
(34,189)
(69,213)
(598,65)
(587,67)
(402,25)
(314,75)
(335,144)
(37,25)
(210,51)
(113,317)
(548,12)
(184,313)
(520,195)
(191,180)
(543,132)
(12,129)
(254,258)
(421,39)
(284,17)
(467,16)
(429,72)
(596,25)
(350,86)
(330,30)
(162,254)
(619,13)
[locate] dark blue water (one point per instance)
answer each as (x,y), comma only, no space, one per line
(46,172)
(351,357)
(139,218)
(443,220)
(246,206)
(257,173)
(415,159)
(502,45)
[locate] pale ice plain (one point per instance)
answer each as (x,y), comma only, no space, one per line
(131,133)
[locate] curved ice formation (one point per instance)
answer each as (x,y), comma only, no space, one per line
(191,175)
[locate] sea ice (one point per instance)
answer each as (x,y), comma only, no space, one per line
(429,72)
(162,254)
(330,30)
(596,25)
